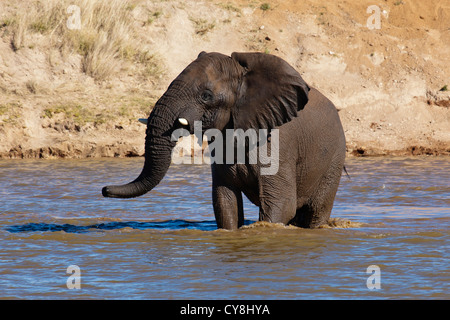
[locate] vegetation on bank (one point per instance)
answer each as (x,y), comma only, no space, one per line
(121,107)
(105,37)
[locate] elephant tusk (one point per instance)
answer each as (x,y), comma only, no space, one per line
(144,121)
(183,121)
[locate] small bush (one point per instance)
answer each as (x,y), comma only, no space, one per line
(202,26)
(265,6)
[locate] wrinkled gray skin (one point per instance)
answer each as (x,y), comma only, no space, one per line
(260,91)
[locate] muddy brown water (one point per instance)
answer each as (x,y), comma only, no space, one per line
(393,213)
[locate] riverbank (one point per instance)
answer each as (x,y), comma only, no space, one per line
(72,94)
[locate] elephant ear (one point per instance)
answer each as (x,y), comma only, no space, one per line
(271,92)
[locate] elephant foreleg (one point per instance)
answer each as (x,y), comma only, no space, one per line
(228,206)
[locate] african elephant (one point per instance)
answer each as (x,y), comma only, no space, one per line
(251,91)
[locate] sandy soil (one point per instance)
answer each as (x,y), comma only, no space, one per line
(386,82)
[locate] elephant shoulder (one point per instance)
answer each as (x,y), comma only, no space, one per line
(319,100)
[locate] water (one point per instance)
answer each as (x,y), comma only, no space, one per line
(393,213)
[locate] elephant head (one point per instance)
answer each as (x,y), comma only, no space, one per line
(246,90)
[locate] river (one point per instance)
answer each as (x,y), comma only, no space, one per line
(389,236)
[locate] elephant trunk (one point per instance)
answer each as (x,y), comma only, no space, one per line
(158,152)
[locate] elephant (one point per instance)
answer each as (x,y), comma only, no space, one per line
(251,90)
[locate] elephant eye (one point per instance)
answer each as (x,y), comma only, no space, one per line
(207,96)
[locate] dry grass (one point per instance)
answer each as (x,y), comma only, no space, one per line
(77,113)
(202,26)
(106,38)
(80,110)
(10,113)
(19,29)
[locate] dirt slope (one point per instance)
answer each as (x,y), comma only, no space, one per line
(389,83)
